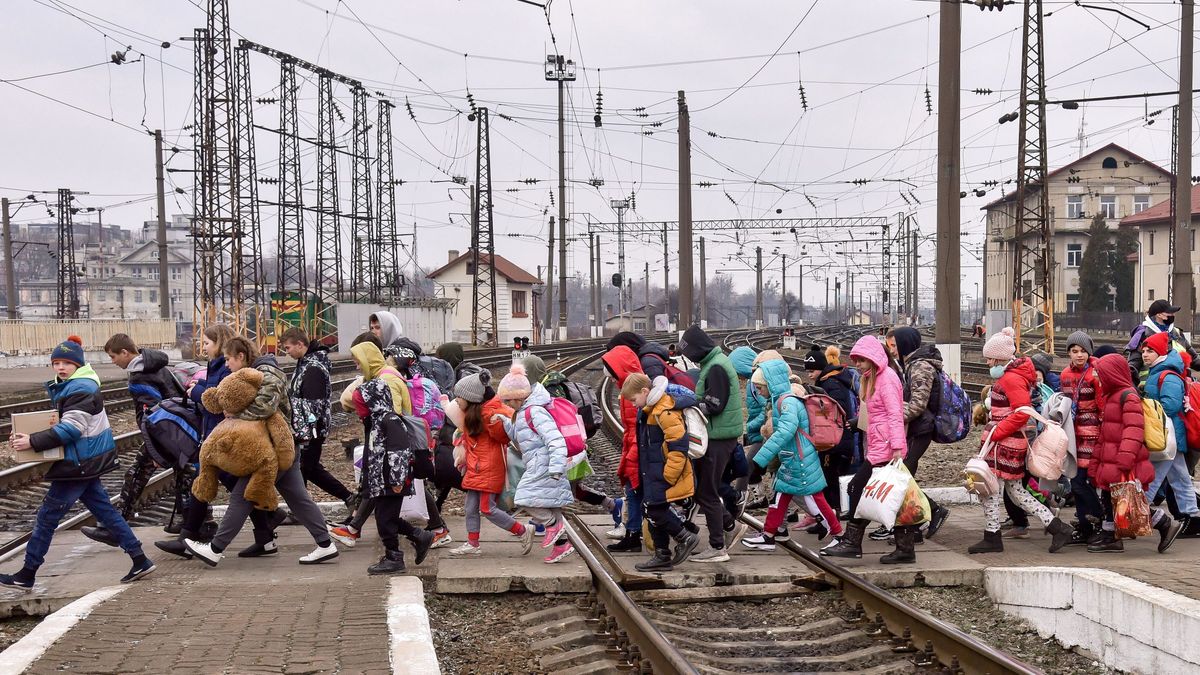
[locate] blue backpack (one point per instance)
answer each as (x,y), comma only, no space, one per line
(952,420)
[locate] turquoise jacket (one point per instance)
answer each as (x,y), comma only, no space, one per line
(799,464)
(1171,394)
(742,359)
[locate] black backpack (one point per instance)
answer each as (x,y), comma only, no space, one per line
(437,370)
(172,432)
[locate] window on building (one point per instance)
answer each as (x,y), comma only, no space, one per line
(1109,163)
(1150,295)
(1108,206)
(137,296)
(1151,246)
(519,310)
(1074,206)
(137,272)
(1141,203)
(153,272)
(1074,255)
(100,296)
(153,296)
(176,273)
(1072,303)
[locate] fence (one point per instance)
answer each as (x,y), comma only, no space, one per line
(1099,323)
(23,337)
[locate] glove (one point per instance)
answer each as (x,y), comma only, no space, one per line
(756,473)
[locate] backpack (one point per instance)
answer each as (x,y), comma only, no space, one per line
(696,425)
(437,370)
(952,420)
(420,441)
(978,477)
(675,375)
(584,398)
(186,372)
(570,424)
(425,401)
(1155,425)
(172,432)
(1191,408)
(1048,451)
(826,419)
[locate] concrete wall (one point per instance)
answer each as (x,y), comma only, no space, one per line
(429,326)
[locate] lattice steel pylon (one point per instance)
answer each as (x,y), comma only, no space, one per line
(362,231)
(249,265)
(68,273)
(483,297)
(1174,187)
(292,281)
(386,264)
(1033,253)
(328,267)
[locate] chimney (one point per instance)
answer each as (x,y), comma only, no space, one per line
(453,254)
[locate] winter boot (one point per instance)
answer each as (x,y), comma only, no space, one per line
(176,546)
(1168,529)
(1108,544)
(630,543)
(1060,534)
(422,541)
(685,543)
(905,537)
(661,562)
(849,545)
(264,544)
(1081,534)
(992,543)
(391,563)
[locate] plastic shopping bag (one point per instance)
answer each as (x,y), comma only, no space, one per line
(413,508)
(914,510)
(1131,511)
(516,469)
(884,494)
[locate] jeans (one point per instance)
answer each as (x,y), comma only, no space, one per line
(709,470)
(61,496)
(314,472)
(633,504)
(1176,475)
(290,484)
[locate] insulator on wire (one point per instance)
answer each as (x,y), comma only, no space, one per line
(983,92)
(928,101)
(803,98)
(408,106)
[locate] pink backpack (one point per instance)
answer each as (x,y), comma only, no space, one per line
(826,420)
(570,424)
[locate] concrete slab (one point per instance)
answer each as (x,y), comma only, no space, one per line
(501,567)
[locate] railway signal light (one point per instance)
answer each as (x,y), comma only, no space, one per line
(988,5)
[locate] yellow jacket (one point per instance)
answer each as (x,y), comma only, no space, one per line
(371,364)
(677,467)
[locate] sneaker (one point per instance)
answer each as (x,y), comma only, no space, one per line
(463,551)
(759,542)
(736,534)
(618,507)
(559,552)
(739,506)
(820,530)
(259,550)
(391,563)
(617,532)
(782,534)
(538,528)
(936,520)
(174,547)
(882,534)
(793,517)
(422,542)
(204,552)
(527,540)
(139,571)
(320,554)
(14,581)
(712,555)
(1017,533)
(343,535)
(552,533)
(100,534)
(806,522)
(441,537)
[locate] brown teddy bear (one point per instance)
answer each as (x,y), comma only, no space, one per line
(260,449)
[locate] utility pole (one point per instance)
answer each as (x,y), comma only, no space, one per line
(703,291)
(646,308)
(1184,296)
(592,289)
(800,293)
(783,306)
(599,289)
(550,282)
(915,257)
(164,289)
(685,214)
(666,277)
(827,297)
(758,288)
(620,206)
(947,284)
(68,273)
(10,273)
(561,70)
(837,301)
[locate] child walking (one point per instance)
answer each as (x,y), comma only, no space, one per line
(484,468)
(800,473)
(544,489)
(89,452)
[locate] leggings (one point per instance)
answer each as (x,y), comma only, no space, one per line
(485,503)
(389,522)
(663,524)
(589,496)
(860,480)
(815,504)
(543,516)
(314,472)
(1088,508)
(834,465)
(1021,497)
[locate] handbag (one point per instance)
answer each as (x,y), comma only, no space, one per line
(93,467)
(978,477)
(1131,510)
(1048,450)
(884,494)
(413,508)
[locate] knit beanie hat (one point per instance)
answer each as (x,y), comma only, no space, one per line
(515,384)
(1159,342)
(473,388)
(815,360)
(1105,350)
(1043,363)
(1001,345)
(535,368)
(70,349)
(1081,339)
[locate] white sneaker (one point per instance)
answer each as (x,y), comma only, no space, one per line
(320,554)
(343,535)
(464,551)
(617,532)
(441,538)
(204,552)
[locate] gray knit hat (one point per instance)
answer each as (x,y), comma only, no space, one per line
(1082,339)
(473,388)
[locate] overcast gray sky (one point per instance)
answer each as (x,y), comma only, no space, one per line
(865,67)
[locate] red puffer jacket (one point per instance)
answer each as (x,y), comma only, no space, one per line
(1122,452)
(1083,386)
(620,361)
(486,466)
(1010,392)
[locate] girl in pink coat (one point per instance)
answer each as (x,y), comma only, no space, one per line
(882,396)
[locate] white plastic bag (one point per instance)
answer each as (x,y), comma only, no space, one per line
(358,461)
(884,493)
(413,508)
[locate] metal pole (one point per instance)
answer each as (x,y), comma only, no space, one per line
(947,273)
(685,214)
(666,277)
(10,275)
(592,290)
(622,305)
(164,288)
(1182,276)
(758,288)
(549,320)
(800,293)
(703,291)
(915,302)
(783,306)
(599,289)
(827,297)
(562,217)
(646,309)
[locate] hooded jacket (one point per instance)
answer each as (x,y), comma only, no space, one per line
(717,387)
(371,364)
(1165,384)
(627,338)
(1122,453)
(742,359)
(666,470)
(214,373)
(654,358)
(756,421)
(388,455)
(1082,386)
(620,361)
(799,464)
(452,353)
(922,389)
(908,340)
(885,408)
(150,381)
(838,382)
(272,395)
(1008,427)
(309,392)
(82,430)
(390,329)
(484,466)
(544,483)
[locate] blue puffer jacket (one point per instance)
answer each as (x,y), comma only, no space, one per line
(545,454)
(799,467)
(1171,393)
(217,370)
(743,363)
(83,430)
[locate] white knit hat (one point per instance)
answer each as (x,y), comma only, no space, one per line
(1001,346)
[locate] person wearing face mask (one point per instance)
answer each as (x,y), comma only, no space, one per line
(1007,428)
(1160,318)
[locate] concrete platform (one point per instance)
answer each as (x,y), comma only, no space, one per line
(500,566)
